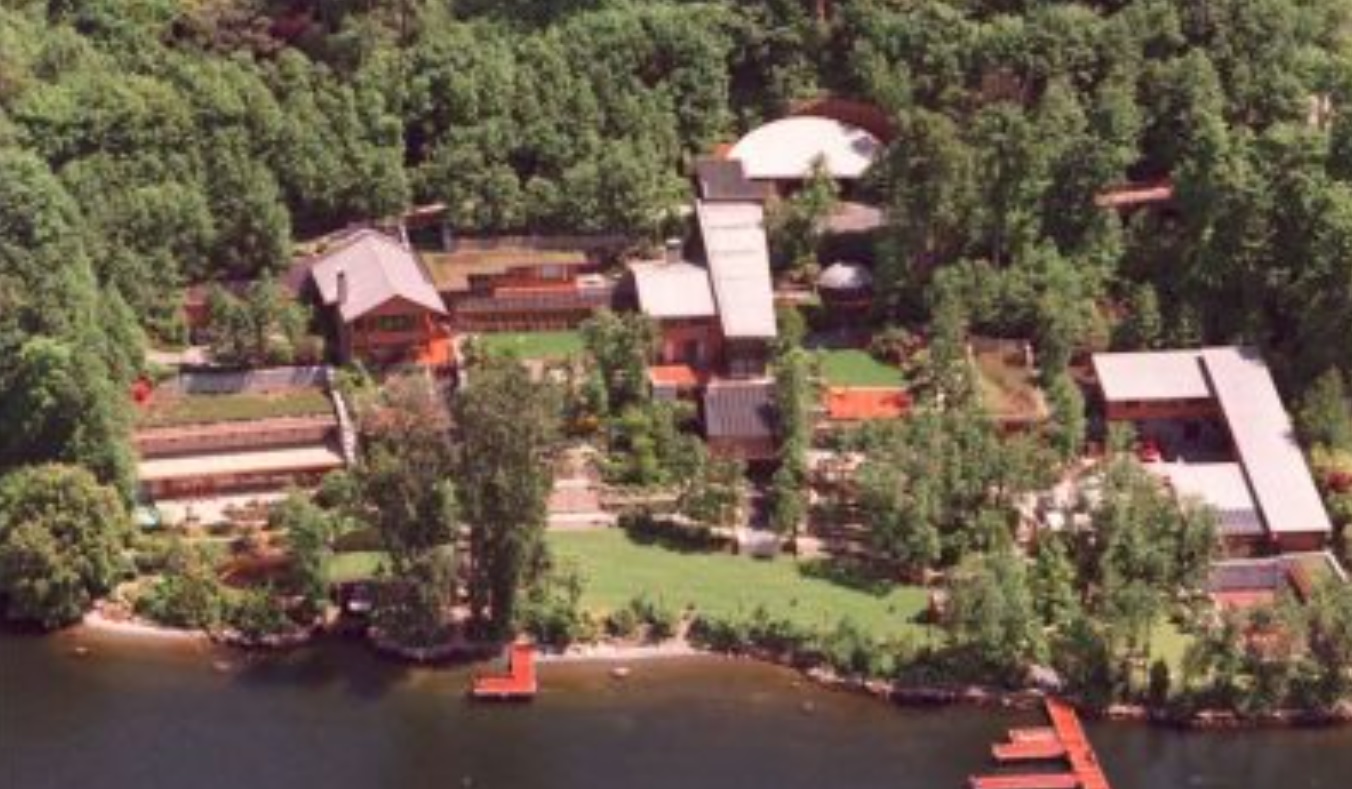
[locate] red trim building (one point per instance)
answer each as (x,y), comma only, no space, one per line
(382,305)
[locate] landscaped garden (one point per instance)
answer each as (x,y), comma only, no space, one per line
(172,410)
(617,569)
(535,345)
(1008,384)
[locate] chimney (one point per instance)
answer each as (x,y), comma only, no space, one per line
(672,251)
(342,288)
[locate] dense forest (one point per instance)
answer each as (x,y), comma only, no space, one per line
(149,143)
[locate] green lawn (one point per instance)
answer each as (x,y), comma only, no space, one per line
(618,569)
(851,367)
(168,411)
(535,345)
(354,565)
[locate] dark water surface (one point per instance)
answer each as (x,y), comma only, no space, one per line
(130,715)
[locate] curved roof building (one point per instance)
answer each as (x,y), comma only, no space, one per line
(785,149)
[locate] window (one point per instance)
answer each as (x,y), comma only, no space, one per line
(394,323)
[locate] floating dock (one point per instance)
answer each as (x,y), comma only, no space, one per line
(518,684)
(1063,741)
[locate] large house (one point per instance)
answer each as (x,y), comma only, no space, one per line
(1217,423)
(716,317)
(381,304)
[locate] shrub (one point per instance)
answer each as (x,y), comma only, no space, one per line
(551,610)
(187,595)
(660,619)
(257,613)
(622,622)
(849,651)
(646,528)
(720,633)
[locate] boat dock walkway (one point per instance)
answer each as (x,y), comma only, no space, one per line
(1063,741)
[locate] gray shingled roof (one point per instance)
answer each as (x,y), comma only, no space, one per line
(725,179)
(673,290)
(739,409)
(378,269)
(739,265)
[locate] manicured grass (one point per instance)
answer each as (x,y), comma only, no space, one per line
(535,345)
(618,569)
(852,367)
(167,411)
(354,565)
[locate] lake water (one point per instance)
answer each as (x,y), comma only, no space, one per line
(132,715)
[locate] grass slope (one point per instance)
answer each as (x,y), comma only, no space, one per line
(618,569)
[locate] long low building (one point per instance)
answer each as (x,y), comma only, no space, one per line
(1265,495)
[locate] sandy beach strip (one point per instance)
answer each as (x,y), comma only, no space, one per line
(619,653)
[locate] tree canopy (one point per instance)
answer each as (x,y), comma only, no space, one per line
(62,543)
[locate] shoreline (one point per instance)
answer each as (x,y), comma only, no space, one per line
(97,623)
(602,653)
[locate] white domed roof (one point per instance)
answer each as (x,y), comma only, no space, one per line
(785,149)
(845,276)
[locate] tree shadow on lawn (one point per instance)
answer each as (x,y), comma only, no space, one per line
(853,575)
(669,535)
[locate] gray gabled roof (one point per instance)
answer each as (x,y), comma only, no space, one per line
(378,269)
(739,265)
(725,179)
(673,290)
(739,409)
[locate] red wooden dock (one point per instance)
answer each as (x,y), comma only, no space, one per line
(1027,781)
(518,684)
(1028,751)
(1064,741)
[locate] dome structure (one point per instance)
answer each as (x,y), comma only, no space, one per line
(844,276)
(784,150)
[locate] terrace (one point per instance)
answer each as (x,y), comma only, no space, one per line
(175,410)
